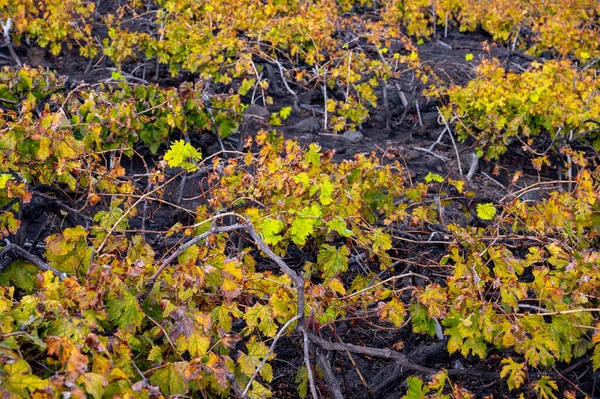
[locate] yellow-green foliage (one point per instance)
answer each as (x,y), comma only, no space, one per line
(556,98)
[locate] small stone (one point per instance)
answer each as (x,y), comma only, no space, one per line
(37,57)
(213,149)
(352,137)
(378,120)
(419,131)
(430,118)
(394,99)
(205,140)
(411,155)
(170,172)
(308,125)
(258,111)
(435,164)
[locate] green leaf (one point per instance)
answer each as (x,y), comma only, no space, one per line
(94,384)
(301,381)
(301,228)
(285,112)
(69,251)
(20,274)
(469,57)
(126,311)
(179,155)
(381,241)
(515,372)
(250,361)
(270,229)
(220,314)
(198,343)
(155,355)
(486,211)
(332,260)
(476,345)
(18,379)
(544,387)
(170,379)
(416,390)
(303,178)
(338,225)
(5,178)
(433,177)
(227,127)
(258,391)
(246,86)
(189,335)
(326,191)
(421,321)
(117,76)
(312,156)
(261,316)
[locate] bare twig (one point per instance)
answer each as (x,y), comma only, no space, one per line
(405,112)
(440,157)
(287,86)
(41,232)
(8,42)
(312,109)
(439,139)
(114,227)
(386,106)
(452,140)
(235,386)
(271,349)
(493,180)
(532,187)
(375,352)
(11,252)
(332,382)
(247,225)
(473,166)
(446,27)
(360,375)
(311,378)
(324,88)
(166,262)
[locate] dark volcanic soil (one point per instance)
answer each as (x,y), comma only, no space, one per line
(417,131)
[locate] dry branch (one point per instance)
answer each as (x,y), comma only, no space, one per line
(330,378)
(12,252)
(271,349)
(368,351)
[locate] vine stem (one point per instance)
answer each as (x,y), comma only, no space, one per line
(271,349)
(140,200)
(311,378)
(287,86)
(12,251)
(460,172)
(244,225)
(298,280)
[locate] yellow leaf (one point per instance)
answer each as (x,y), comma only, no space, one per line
(336,285)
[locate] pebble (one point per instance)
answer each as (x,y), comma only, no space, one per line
(308,125)
(430,118)
(352,137)
(411,155)
(213,149)
(257,110)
